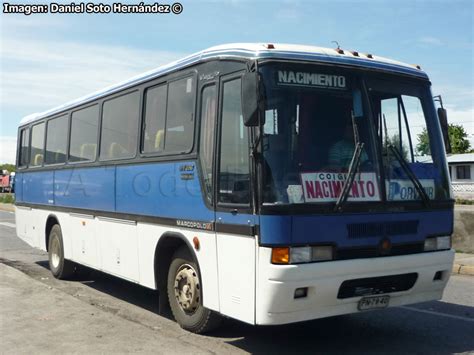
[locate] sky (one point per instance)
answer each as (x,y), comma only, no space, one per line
(49,59)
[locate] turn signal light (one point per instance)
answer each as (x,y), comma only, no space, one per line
(280,255)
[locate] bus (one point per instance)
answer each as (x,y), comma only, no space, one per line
(268,183)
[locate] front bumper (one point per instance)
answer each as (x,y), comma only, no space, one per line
(276,284)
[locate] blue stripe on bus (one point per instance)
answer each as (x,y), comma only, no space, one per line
(161,190)
(37,187)
(154,189)
(91,188)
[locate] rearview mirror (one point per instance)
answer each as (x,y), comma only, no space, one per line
(250,96)
(443,120)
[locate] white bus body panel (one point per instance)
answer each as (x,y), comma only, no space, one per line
(81,232)
(276,284)
(236,264)
(122,248)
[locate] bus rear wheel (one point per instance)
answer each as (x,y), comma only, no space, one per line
(185,295)
(60,267)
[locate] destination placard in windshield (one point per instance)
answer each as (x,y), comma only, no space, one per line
(327,186)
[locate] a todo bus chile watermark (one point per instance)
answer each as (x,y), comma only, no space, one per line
(93,8)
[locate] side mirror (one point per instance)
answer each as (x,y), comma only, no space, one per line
(250,97)
(443,120)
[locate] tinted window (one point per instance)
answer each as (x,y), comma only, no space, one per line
(84,125)
(155,113)
(56,140)
(208,118)
(24,145)
(37,145)
(179,121)
(234,176)
(120,127)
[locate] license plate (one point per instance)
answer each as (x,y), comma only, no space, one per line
(375,302)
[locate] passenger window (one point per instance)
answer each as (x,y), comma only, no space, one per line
(120,127)
(179,118)
(155,114)
(84,127)
(208,119)
(24,145)
(37,145)
(56,140)
(234,174)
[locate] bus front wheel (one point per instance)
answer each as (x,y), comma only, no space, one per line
(185,295)
(60,267)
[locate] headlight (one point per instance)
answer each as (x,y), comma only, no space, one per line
(437,243)
(298,255)
(322,253)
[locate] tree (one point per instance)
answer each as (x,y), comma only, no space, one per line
(395,142)
(457,137)
(9,167)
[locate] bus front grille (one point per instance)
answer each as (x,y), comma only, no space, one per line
(376,285)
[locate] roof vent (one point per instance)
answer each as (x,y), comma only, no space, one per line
(339,50)
(355,53)
(370,56)
(270,46)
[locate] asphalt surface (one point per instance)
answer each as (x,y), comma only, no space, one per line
(122,317)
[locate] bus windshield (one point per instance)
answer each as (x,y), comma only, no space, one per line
(316,116)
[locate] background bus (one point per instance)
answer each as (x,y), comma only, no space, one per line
(267,183)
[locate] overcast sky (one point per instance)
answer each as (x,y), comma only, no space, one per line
(49,59)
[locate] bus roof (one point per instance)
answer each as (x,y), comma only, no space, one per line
(248,51)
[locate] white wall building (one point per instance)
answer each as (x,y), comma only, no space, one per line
(461,170)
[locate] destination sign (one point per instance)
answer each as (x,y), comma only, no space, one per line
(292,78)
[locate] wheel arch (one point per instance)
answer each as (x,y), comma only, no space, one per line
(50,222)
(167,245)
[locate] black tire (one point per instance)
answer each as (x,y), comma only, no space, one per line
(192,316)
(60,267)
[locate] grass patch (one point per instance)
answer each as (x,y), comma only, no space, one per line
(461,201)
(7,198)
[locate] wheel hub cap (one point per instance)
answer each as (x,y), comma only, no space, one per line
(55,250)
(187,288)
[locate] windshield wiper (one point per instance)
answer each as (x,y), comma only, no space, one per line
(353,168)
(406,168)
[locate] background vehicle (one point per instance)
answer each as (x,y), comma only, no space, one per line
(267,183)
(5,181)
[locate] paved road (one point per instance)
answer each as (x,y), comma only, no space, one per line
(110,315)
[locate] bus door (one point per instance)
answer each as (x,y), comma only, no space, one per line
(236,244)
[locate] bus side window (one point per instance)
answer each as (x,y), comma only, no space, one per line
(24,146)
(37,145)
(119,132)
(234,174)
(208,120)
(84,127)
(155,114)
(179,116)
(56,140)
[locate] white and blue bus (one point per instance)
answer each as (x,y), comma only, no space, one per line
(263,182)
